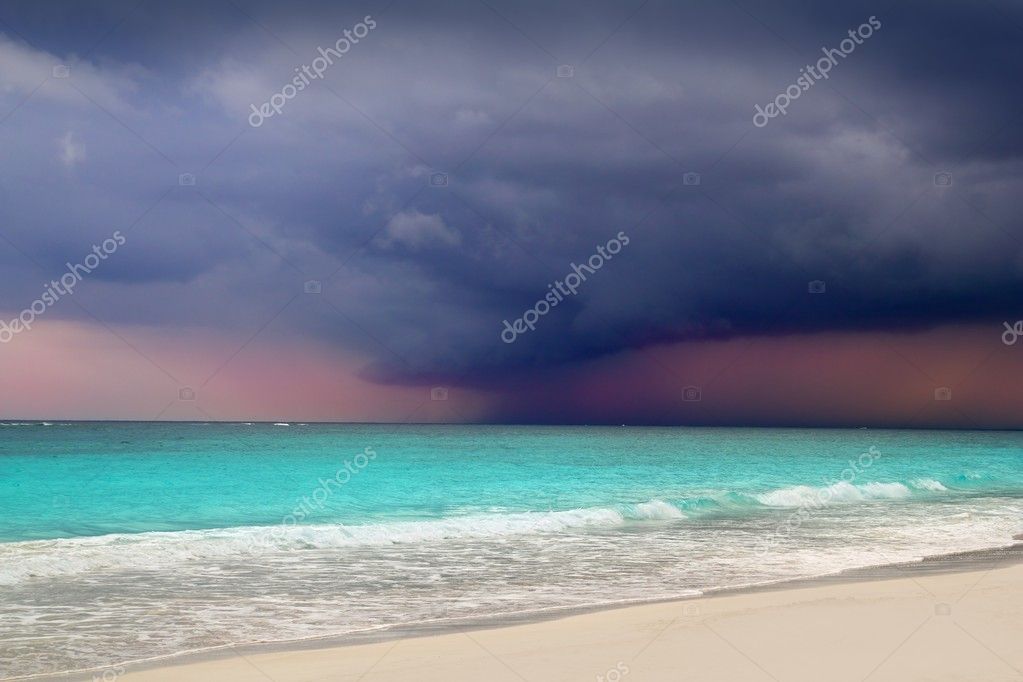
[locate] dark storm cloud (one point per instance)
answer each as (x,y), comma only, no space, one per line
(540,170)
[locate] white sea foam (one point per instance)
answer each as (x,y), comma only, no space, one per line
(884,491)
(68,556)
(150,550)
(656,510)
(20,561)
(805,495)
(485,561)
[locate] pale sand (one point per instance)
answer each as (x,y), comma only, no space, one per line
(949,626)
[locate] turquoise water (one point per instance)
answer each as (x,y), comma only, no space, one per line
(186,536)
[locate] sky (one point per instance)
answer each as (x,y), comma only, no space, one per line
(642,212)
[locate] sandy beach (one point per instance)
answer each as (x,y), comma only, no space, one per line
(963,625)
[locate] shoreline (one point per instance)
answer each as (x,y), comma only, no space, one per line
(858,426)
(971,561)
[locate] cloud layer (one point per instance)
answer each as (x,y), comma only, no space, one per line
(445,171)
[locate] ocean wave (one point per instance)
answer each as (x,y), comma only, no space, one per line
(149,550)
(31,424)
(841,492)
(655,510)
(928,484)
(159,549)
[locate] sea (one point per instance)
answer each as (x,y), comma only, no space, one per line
(125,542)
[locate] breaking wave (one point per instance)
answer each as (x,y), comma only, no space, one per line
(160,549)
